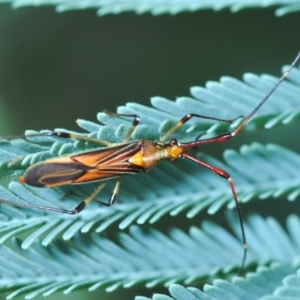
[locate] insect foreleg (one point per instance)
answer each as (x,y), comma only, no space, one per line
(186,118)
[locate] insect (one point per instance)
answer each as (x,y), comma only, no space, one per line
(128,158)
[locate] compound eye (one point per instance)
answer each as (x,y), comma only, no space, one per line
(173,142)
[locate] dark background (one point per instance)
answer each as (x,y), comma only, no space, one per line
(55,68)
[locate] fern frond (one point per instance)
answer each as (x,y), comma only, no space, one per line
(169,189)
(276,282)
(264,284)
(161,7)
(142,256)
(169,193)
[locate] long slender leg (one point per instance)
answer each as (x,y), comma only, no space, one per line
(76,210)
(79,207)
(48,208)
(113,196)
(87,200)
(78,137)
(111,201)
(186,118)
(225,175)
(135,122)
(62,134)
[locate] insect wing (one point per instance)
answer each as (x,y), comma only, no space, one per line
(84,167)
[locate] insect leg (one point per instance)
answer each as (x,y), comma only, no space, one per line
(87,200)
(62,134)
(48,208)
(76,210)
(225,175)
(186,118)
(78,137)
(135,122)
(113,196)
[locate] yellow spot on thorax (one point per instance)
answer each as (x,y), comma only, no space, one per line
(137,159)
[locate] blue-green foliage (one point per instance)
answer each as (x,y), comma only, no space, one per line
(141,254)
(159,7)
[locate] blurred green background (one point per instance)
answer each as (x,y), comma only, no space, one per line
(55,68)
